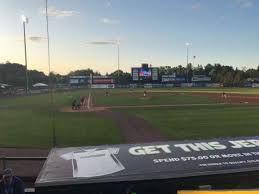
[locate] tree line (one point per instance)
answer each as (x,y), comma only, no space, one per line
(14,74)
(219,73)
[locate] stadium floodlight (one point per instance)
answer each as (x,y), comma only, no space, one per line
(25,20)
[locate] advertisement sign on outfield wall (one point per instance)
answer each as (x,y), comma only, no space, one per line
(255,85)
(102,86)
(187,85)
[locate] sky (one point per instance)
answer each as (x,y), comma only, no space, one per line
(86,33)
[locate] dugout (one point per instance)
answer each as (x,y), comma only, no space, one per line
(159,167)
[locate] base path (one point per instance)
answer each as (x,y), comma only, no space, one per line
(134,129)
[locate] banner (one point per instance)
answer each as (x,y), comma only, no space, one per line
(149,161)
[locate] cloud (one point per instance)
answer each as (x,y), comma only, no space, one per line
(37,39)
(54,12)
(245,3)
(196,6)
(110,21)
(105,42)
(19,39)
(33,39)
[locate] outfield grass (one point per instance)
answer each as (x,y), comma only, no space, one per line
(212,90)
(124,98)
(25,122)
(251,91)
(178,89)
(202,122)
(156,96)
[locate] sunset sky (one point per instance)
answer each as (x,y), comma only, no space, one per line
(149,31)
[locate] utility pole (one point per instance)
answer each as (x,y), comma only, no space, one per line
(52,112)
(25,21)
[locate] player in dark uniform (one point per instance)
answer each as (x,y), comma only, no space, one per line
(74,105)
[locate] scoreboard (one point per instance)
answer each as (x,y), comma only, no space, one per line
(144,74)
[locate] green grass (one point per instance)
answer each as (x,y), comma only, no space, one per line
(251,91)
(124,98)
(168,90)
(156,96)
(202,122)
(25,122)
(60,99)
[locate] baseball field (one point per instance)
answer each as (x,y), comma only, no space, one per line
(126,116)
